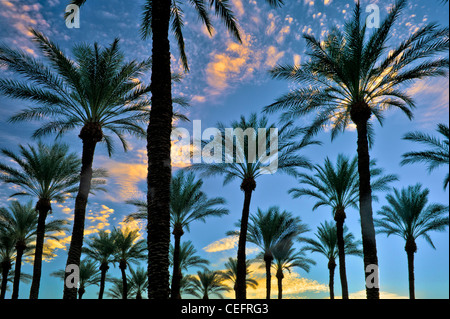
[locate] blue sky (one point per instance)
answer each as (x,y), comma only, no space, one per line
(228,80)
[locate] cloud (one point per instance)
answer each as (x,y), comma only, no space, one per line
(223,244)
(273,56)
(239,7)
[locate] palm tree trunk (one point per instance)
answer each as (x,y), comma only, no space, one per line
(123,267)
(20,247)
(360,114)
(6,266)
(176,275)
(339,217)
(268,260)
(90,135)
(410,249)
(331,267)
(103,268)
(81,292)
(241,268)
(280,277)
(158,151)
(43,206)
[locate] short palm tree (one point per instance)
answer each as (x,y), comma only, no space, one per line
(268,229)
(207,283)
(116,291)
(101,248)
(48,173)
(337,186)
(326,244)
(128,249)
(97,92)
(230,273)
(188,204)
(20,222)
(238,162)
(353,74)
(89,275)
(287,257)
(7,248)
(138,281)
(407,215)
(436,156)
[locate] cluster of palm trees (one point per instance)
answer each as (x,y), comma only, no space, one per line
(352,76)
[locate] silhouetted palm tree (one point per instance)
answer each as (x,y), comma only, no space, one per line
(96,92)
(407,215)
(352,75)
(101,248)
(337,186)
(270,228)
(138,280)
(436,156)
(207,283)
(49,174)
(239,162)
(326,244)
(7,247)
(230,273)
(287,257)
(128,249)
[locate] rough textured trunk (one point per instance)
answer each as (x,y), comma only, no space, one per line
(90,134)
(248,186)
(339,217)
(20,247)
(280,277)
(411,249)
(103,269)
(43,206)
(158,152)
(176,275)
(360,114)
(123,267)
(331,267)
(6,266)
(268,261)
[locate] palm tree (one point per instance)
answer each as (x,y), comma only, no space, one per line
(89,275)
(337,186)
(188,204)
(128,249)
(238,162)
(270,228)
(407,215)
(101,249)
(116,291)
(287,257)
(138,281)
(47,173)
(230,273)
(326,244)
(207,283)
(7,247)
(436,156)
(352,75)
(97,92)
(20,222)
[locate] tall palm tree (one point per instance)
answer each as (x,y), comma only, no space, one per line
(230,274)
(128,249)
(96,92)
(337,186)
(353,74)
(407,215)
(207,283)
(49,173)
(238,163)
(101,249)
(436,156)
(188,204)
(20,222)
(287,257)
(7,247)
(326,244)
(270,228)
(89,275)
